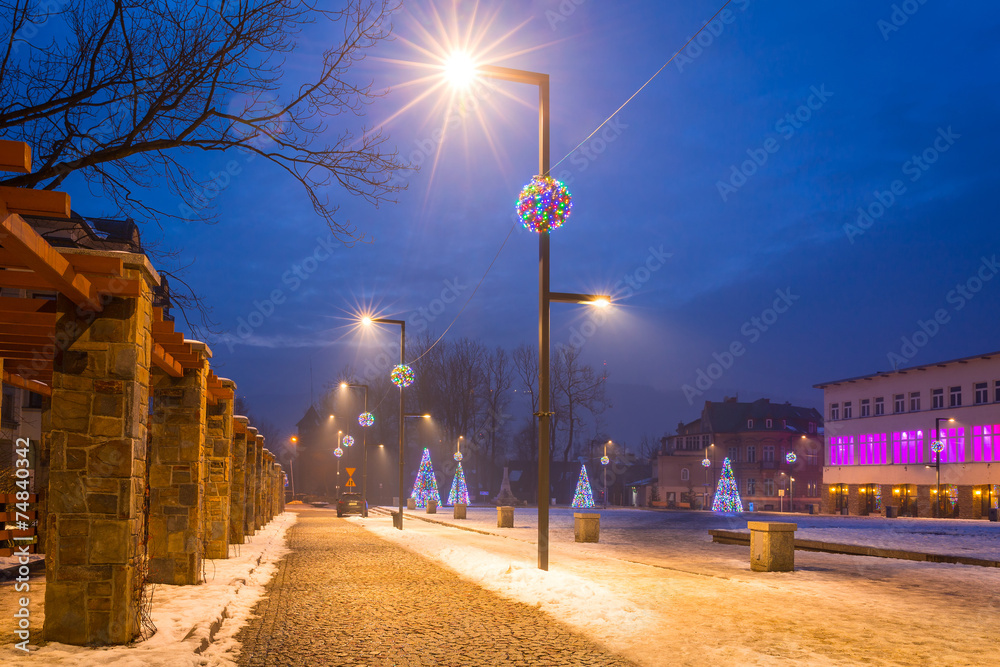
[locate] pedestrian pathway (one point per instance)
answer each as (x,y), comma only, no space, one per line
(346,597)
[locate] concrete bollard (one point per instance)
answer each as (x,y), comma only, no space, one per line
(460,510)
(411,503)
(432,507)
(772,546)
(505,517)
(586,527)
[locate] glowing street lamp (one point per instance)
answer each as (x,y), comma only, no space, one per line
(937,446)
(365,419)
(604,463)
(544,205)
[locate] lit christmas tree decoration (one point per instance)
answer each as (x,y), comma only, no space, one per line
(605,460)
(338,452)
(727,498)
(402,375)
(544,204)
(348,441)
(425,487)
(791,457)
(584,496)
(459,493)
(705,463)
(366,419)
(458,456)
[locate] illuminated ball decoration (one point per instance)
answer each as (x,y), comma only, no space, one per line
(401,376)
(366,419)
(544,204)
(605,460)
(338,452)
(458,456)
(348,441)
(705,463)
(791,457)
(937,446)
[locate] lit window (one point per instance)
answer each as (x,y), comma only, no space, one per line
(751,487)
(734,455)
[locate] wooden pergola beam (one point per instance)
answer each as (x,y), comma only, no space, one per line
(25,201)
(166,362)
(27,305)
(15,156)
(31,385)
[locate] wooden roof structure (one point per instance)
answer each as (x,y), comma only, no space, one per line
(28,342)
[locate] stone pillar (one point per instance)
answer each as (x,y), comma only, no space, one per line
(250,508)
(279,489)
(258,485)
(925,501)
(237,490)
(176,475)
(854,499)
(268,491)
(42,467)
(218,465)
(969,504)
(772,546)
(97,476)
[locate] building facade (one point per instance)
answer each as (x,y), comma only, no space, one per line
(776,451)
(880,431)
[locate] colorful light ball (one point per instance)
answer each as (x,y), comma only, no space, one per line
(791,457)
(937,446)
(605,460)
(705,463)
(402,375)
(458,456)
(338,452)
(348,441)
(366,419)
(544,204)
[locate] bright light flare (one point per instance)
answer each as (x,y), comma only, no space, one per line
(460,69)
(366,321)
(601,302)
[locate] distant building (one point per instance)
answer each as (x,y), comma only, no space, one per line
(879,432)
(757,438)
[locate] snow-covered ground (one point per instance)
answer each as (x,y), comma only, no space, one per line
(183,615)
(658,591)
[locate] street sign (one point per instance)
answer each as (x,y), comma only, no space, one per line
(350,478)
(781,492)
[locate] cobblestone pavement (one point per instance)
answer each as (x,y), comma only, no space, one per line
(345,597)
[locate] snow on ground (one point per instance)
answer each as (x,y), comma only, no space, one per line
(183,615)
(658,591)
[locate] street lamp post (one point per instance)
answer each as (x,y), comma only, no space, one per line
(604,464)
(364,445)
(545,295)
(291,468)
(402,355)
(937,447)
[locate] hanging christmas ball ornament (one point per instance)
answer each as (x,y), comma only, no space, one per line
(458,456)
(791,457)
(348,441)
(605,460)
(338,452)
(544,204)
(937,446)
(705,463)
(366,419)
(402,375)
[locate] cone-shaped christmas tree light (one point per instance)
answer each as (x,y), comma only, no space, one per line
(727,497)
(584,496)
(459,493)
(425,487)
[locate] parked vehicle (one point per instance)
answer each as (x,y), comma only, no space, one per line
(351,503)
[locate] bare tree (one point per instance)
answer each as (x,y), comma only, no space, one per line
(525,360)
(499,378)
(578,390)
(121,92)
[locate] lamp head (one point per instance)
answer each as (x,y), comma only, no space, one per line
(460,69)
(343,385)
(366,321)
(601,302)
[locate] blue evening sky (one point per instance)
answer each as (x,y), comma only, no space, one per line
(645,186)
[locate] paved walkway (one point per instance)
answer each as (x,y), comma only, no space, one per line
(346,597)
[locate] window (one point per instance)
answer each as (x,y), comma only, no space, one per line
(685,474)
(33,400)
(982,393)
(749,423)
(866,407)
(768,423)
(768,487)
(752,454)
(996,391)
(704,440)
(734,455)
(834,411)
(899,403)
(812,459)
(812,490)
(812,427)
(914,401)
(768,454)
(847,409)
(955,394)
(751,487)
(879,406)
(937,399)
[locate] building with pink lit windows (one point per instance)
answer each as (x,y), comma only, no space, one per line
(880,429)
